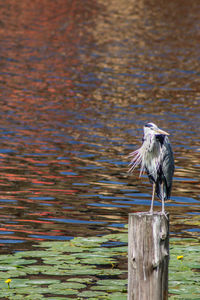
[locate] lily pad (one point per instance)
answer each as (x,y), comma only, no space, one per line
(98,261)
(108,288)
(88,267)
(81,280)
(43,281)
(67,285)
(112,282)
(92,294)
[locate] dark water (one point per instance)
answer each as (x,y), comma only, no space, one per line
(78,80)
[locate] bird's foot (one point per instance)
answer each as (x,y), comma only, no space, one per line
(164,213)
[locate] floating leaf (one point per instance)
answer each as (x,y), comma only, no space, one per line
(108,288)
(117,296)
(67,285)
(112,282)
(86,267)
(98,261)
(81,280)
(92,294)
(43,281)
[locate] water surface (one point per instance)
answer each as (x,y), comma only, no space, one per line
(78,80)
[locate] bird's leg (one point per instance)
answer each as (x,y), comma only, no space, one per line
(153,195)
(163,201)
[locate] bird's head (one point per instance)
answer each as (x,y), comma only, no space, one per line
(153,130)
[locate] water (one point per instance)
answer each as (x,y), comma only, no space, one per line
(78,80)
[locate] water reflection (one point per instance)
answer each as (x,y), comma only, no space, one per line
(78,81)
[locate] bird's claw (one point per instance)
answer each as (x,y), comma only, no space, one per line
(164,213)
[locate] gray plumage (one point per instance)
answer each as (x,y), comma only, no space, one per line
(155,157)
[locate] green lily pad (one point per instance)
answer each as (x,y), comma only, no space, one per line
(57,298)
(60,260)
(43,281)
(81,280)
(92,294)
(117,296)
(35,254)
(112,282)
(98,261)
(111,272)
(15,283)
(89,242)
(67,285)
(108,288)
(87,268)
(121,237)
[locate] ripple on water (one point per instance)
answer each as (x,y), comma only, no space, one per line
(73,103)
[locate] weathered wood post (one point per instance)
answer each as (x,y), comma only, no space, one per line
(148,256)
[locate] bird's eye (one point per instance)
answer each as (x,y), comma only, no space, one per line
(148,125)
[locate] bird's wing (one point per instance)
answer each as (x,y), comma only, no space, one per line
(168,163)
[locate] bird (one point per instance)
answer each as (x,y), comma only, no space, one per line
(155,157)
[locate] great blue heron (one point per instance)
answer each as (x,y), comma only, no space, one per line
(155,156)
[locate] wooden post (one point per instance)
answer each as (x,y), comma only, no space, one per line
(148,256)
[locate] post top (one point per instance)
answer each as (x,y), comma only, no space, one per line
(149,214)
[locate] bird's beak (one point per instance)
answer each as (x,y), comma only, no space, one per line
(159,131)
